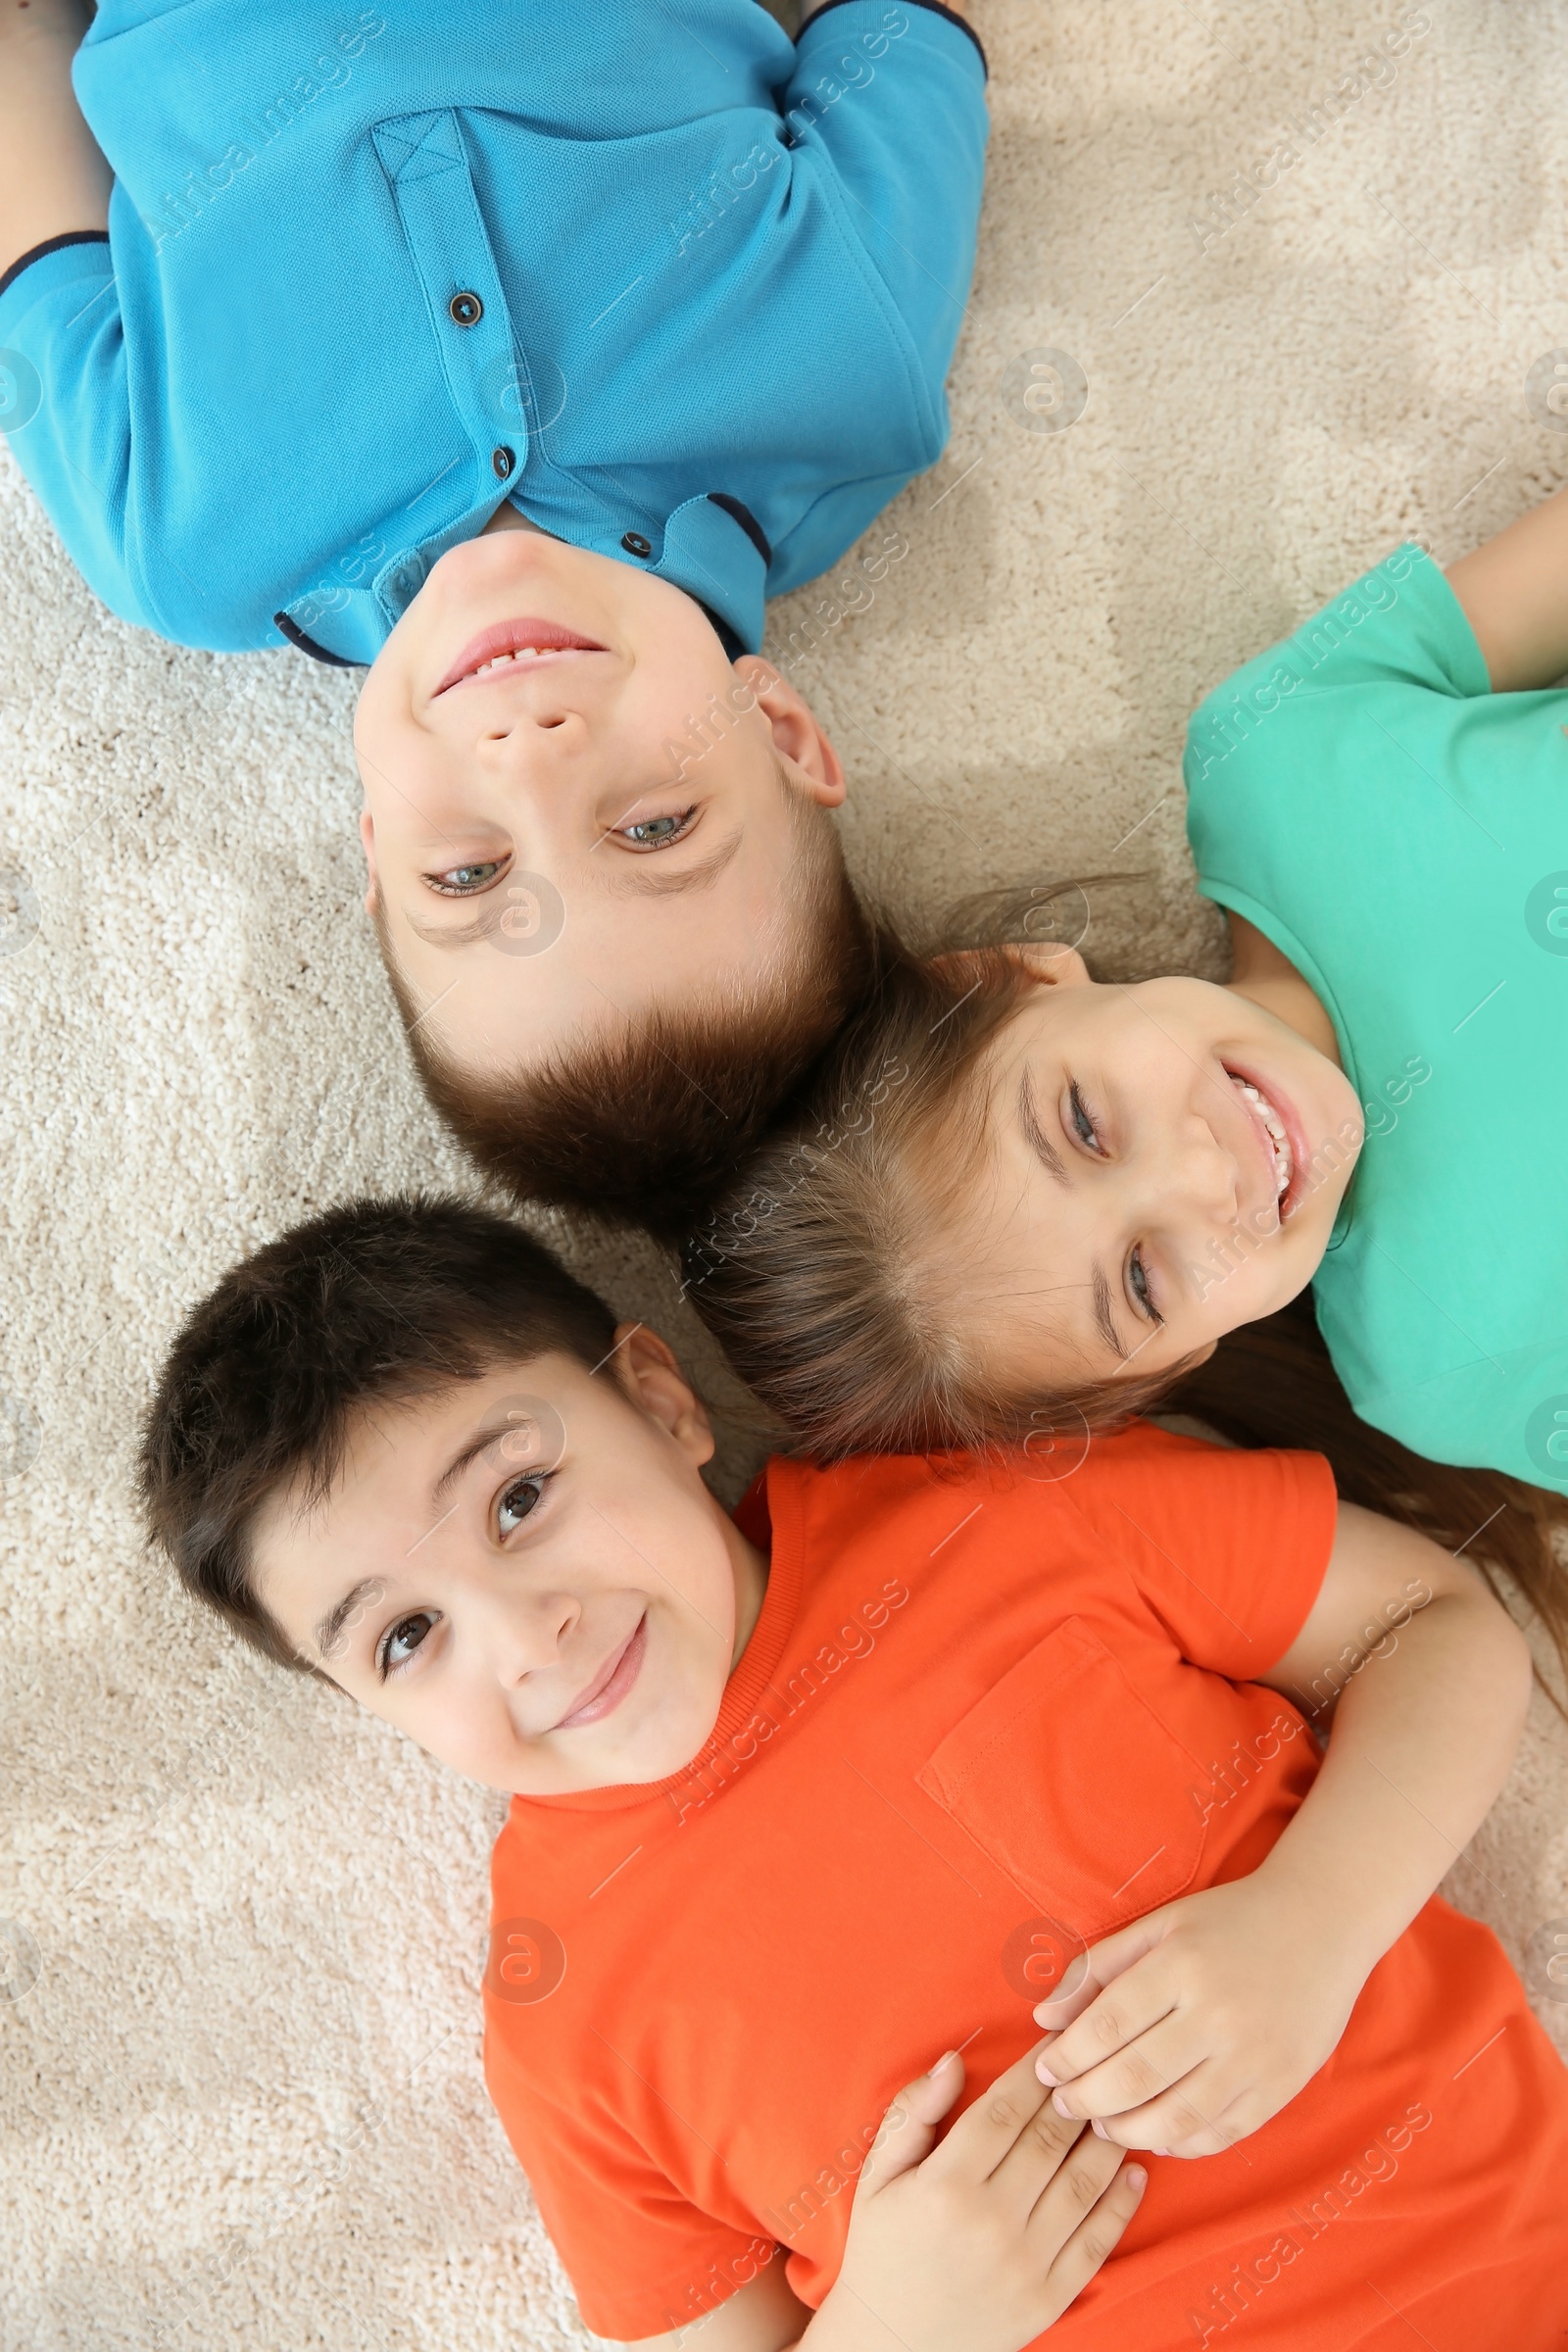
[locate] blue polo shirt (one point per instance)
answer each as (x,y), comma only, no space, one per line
(683,289)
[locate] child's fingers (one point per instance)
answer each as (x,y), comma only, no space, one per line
(908,2131)
(1055,2161)
(1095,1967)
(1096,2235)
(1226,2124)
(1113,2020)
(1146,2067)
(1197,2116)
(1078,1988)
(1016,2109)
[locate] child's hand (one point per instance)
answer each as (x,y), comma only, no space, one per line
(1190,2028)
(980,2242)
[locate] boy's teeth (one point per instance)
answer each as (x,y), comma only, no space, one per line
(524,652)
(1284,1165)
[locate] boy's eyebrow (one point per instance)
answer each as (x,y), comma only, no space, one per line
(691,877)
(332,1624)
(450,935)
(489,1436)
(1035,1135)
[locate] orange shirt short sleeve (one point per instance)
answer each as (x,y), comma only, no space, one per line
(1228,1547)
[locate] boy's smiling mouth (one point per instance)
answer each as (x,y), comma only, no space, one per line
(612,1682)
(508,645)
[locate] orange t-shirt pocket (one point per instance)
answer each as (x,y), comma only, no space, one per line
(1073,1785)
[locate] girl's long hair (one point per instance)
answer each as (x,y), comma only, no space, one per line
(831,1276)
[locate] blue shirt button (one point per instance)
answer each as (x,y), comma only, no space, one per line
(466,309)
(636,545)
(503,460)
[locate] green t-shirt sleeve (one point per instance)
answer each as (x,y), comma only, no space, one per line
(1399,625)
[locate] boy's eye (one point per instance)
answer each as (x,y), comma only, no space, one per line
(401,1641)
(655,832)
(519,1498)
(462,881)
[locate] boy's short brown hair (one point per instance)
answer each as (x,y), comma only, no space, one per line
(644,1128)
(374,1303)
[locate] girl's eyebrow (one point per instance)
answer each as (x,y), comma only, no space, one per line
(1103,1317)
(1035,1135)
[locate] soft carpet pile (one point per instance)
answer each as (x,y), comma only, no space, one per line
(1261,291)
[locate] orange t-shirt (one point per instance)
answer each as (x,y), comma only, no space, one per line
(984,1718)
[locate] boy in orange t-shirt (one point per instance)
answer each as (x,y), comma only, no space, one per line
(873,1768)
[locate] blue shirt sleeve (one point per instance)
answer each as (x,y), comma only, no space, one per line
(892,95)
(887,104)
(63,353)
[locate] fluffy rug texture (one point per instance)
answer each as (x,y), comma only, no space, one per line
(244,1928)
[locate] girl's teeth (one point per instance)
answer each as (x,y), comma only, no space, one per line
(1284,1164)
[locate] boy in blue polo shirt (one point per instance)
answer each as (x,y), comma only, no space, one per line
(558,332)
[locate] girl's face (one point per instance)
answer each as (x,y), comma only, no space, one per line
(1167,1162)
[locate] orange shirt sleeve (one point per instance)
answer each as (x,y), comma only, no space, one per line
(642,2260)
(1228,1546)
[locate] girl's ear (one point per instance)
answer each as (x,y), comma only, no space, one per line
(649,1373)
(1057,965)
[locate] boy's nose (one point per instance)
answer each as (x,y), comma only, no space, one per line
(527,1633)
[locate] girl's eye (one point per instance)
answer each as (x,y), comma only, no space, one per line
(519,1500)
(1142,1288)
(656,832)
(1083,1125)
(400,1641)
(462,881)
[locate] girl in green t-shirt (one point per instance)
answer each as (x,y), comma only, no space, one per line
(1024,1201)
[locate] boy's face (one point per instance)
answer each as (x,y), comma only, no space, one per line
(545,870)
(526,1573)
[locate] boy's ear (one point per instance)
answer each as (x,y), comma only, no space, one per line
(815,766)
(650,1372)
(367,844)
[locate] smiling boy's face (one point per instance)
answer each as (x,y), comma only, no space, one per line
(526,724)
(526,1573)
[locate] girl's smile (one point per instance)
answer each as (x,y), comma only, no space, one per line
(1162,1164)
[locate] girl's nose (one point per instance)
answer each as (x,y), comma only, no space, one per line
(1206,1175)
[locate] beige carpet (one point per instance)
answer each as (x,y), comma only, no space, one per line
(239,2018)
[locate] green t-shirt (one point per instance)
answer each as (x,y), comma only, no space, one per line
(1401,833)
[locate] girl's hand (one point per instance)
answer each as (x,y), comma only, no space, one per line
(980,2242)
(1190,2028)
